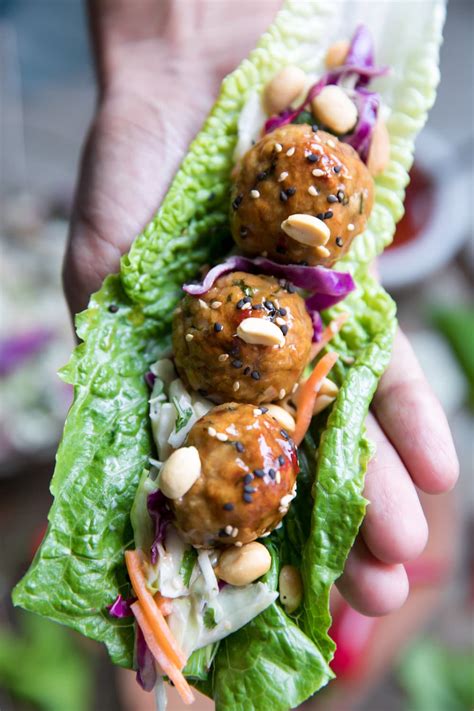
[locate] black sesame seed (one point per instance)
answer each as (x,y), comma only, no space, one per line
(239,447)
(314,128)
(290,191)
(262,175)
(237,201)
(255,375)
(332,198)
(247,299)
(282,311)
(284,329)
(236,363)
(228,507)
(283,196)
(234,350)
(239,304)
(281,460)
(320,215)
(340,195)
(259,472)
(218,327)
(243,231)
(113,308)
(247,498)
(257,307)
(290,288)
(312,158)
(339,241)
(337,169)
(247,370)
(284,434)
(263,409)
(248,478)
(250,489)
(328,215)
(269,305)
(271,473)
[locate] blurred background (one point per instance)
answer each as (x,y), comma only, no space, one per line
(46,101)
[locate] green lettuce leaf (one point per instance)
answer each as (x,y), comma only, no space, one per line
(106,443)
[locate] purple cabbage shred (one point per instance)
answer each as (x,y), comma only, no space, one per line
(161,516)
(121,607)
(146,671)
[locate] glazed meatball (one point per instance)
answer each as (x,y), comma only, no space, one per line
(248,473)
(213,358)
(297,170)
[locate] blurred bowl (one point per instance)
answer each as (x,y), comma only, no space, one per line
(437,218)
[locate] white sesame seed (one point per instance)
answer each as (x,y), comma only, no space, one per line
(202,304)
(313,191)
(264,535)
(235,532)
(236,386)
(211,431)
(246,306)
(331,143)
(307,153)
(257,412)
(238,544)
(278,478)
(322,251)
(350,227)
(222,437)
(315,146)
(228,530)
(282,509)
(189,337)
(223,357)
(278,147)
(280,321)
(282,393)
(254,194)
(216,304)
(318,173)
(291,151)
(282,176)
(294,388)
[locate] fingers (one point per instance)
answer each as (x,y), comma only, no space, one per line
(371,587)
(395,528)
(412,418)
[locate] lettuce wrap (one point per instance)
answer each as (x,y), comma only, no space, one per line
(276,660)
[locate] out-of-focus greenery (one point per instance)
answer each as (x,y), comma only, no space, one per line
(43,665)
(457,325)
(437,678)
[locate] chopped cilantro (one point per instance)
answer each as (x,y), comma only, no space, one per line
(210,618)
(187,565)
(184,415)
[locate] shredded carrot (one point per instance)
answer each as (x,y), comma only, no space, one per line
(161,631)
(165,663)
(328,333)
(165,604)
(308,393)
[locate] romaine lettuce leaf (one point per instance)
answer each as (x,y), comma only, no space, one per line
(79,568)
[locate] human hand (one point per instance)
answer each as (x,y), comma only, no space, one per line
(154,96)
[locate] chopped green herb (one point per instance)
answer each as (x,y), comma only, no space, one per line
(247,290)
(187,565)
(210,618)
(304,117)
(184,415)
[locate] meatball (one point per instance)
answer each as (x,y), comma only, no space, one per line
(212,358)
(297,170)
(248,473)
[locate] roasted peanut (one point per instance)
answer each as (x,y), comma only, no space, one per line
(180,471)
(241,566)
(283,89)
(334,109)
(291,588)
